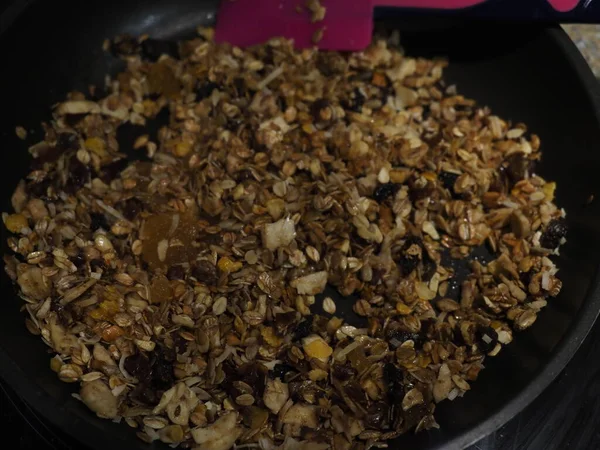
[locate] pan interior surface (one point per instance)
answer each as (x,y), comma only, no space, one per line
(535,76)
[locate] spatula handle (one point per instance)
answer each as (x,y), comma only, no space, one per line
(428,4)
(538,10)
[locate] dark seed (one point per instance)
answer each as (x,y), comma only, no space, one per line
(555,231)
(486,338)
(384,191)
(152,49)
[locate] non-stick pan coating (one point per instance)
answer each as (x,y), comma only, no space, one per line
(529,75)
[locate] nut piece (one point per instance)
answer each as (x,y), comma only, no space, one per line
(302,415)
(221,435)
(278,234)
(312,284)
(276,394)
(98,397)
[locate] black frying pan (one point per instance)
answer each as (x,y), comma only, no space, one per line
(533,75)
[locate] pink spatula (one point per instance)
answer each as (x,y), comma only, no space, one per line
(348,24)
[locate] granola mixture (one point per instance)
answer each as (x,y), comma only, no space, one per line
(277,266)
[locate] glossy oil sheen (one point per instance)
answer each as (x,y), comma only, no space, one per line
(530,75)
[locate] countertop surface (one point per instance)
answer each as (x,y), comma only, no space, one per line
(587,38)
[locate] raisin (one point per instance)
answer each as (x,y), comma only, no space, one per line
(518,167)
(486,338)
(176,273)
(448,179)
(254,374)
(98,220)
(152,49)
(555,231)
(162,368)
(131,208)
(377,416)
(79,261)
(344,372)
(205,272)
(408,262)
(317,107)
(280,370)
(205,89)
(417,192)
(384,191)
(138,365)
(112,170)
(303,329)
(144,394)
(79,175)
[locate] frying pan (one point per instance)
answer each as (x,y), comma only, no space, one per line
(526,74)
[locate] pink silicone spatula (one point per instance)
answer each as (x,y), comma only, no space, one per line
(348,24)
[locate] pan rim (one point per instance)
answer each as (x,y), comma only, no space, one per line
(583,322)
